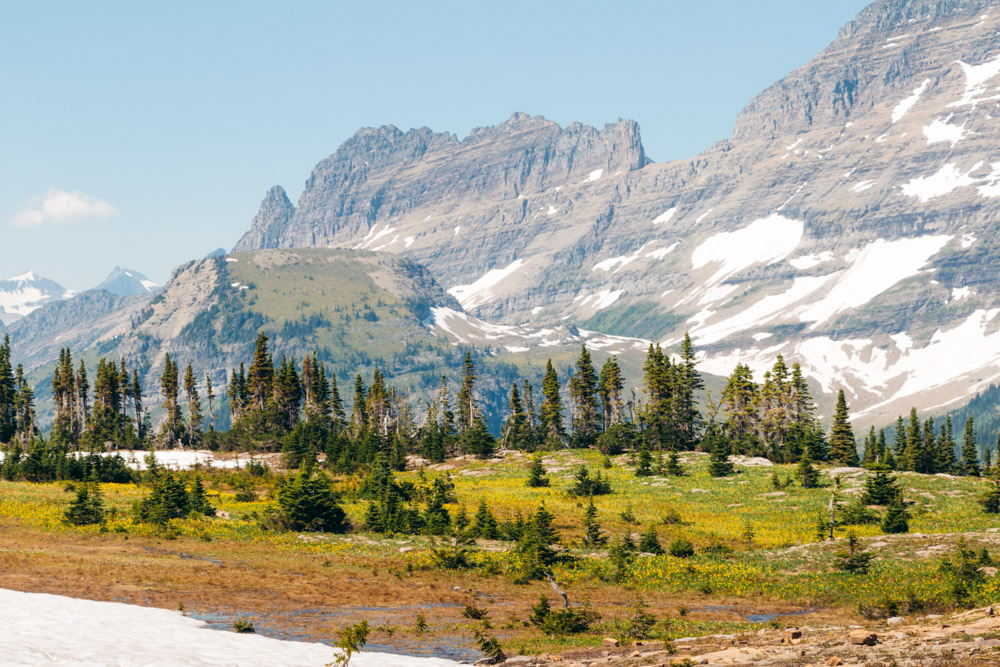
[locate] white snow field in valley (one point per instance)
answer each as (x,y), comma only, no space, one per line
(43,629)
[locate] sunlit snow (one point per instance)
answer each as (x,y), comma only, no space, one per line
(593,176)
(481,291)
(665,217)
(43,629)
(900,110)
(809,261)
(763,241)
(876,268)
(945,180)
(940,130)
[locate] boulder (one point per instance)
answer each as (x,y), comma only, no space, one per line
(862,638)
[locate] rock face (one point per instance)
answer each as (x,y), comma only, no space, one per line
(848,224)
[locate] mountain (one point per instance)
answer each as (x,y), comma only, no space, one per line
(122,282)
(27,292)
(849,223)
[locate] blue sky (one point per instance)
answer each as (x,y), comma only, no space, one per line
(145,134)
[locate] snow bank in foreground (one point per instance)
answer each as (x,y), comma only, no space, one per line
(42,629)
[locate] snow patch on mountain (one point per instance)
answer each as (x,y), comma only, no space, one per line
(764,241)
(481,291)
(945,180)
(809,261)
(665,216)
(876,268)
(26,293)
(941,130)
(900,110)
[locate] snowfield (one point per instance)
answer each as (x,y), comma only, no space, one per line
(764,241)
(481,291)
(42,629)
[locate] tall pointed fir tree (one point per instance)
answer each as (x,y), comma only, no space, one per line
(583,392)
(8,393)
(172,427)
(210,398)
(610,386)
(550,413)
(24,410)
(970,455)
(466,408)
(261,374)
(739,403)
(516,431)
(195,417)
(689,383)
(843,446)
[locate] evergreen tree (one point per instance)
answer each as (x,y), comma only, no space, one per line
(309,502)
(210,397)
(478,440)
(484,525)
(649,543)
(172,428)
(551,409)
(583,390)
(644,464)
(970,457)
(896,519)
(719,464)
(195,417)
(261,374)
(8,393)
(610,388)
(739,402)
(674,467)
(881,487)
(535,547)
(843,447)
(466,396)
(516,430)
(808,474)
(593,538)
(88,507)
(536,473)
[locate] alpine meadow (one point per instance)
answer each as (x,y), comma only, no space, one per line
(526,396)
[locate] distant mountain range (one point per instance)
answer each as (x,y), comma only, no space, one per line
(26,293)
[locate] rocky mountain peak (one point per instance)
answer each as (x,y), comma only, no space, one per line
(380,174)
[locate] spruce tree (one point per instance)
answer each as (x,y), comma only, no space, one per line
(970,457)
(551,408)
(484,525)
(88,507)
(808,474)
(644,464)
(536,473)
(843,447)
(610,388)
(583,386)
(194,408)
(649,543)
(896,519)
(261,374)
(674,467)
(945,448)
(466,395)
(719,464)
(172,428)
(739,402)
(593,538)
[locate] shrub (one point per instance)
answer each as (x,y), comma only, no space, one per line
(853,560)
(681,548)
(588,486)
(309,502)
(243,625)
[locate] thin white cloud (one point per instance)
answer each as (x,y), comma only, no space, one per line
(61,207)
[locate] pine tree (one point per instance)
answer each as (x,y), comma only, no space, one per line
(649,544)
(843,447)
(88,507)
(719,464)
(896,519)
(583,389)
(516,431)
(466,395)
(881,487)
(210,397)
(536,473)
(644,462)
(194,408)
(484,525)
(171,429)
(8,393)
(808,474)
(674,467)
(137,407)
(593,538)
(551,409)
(261,374)
(970,457)
(610,388)
(739,402)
